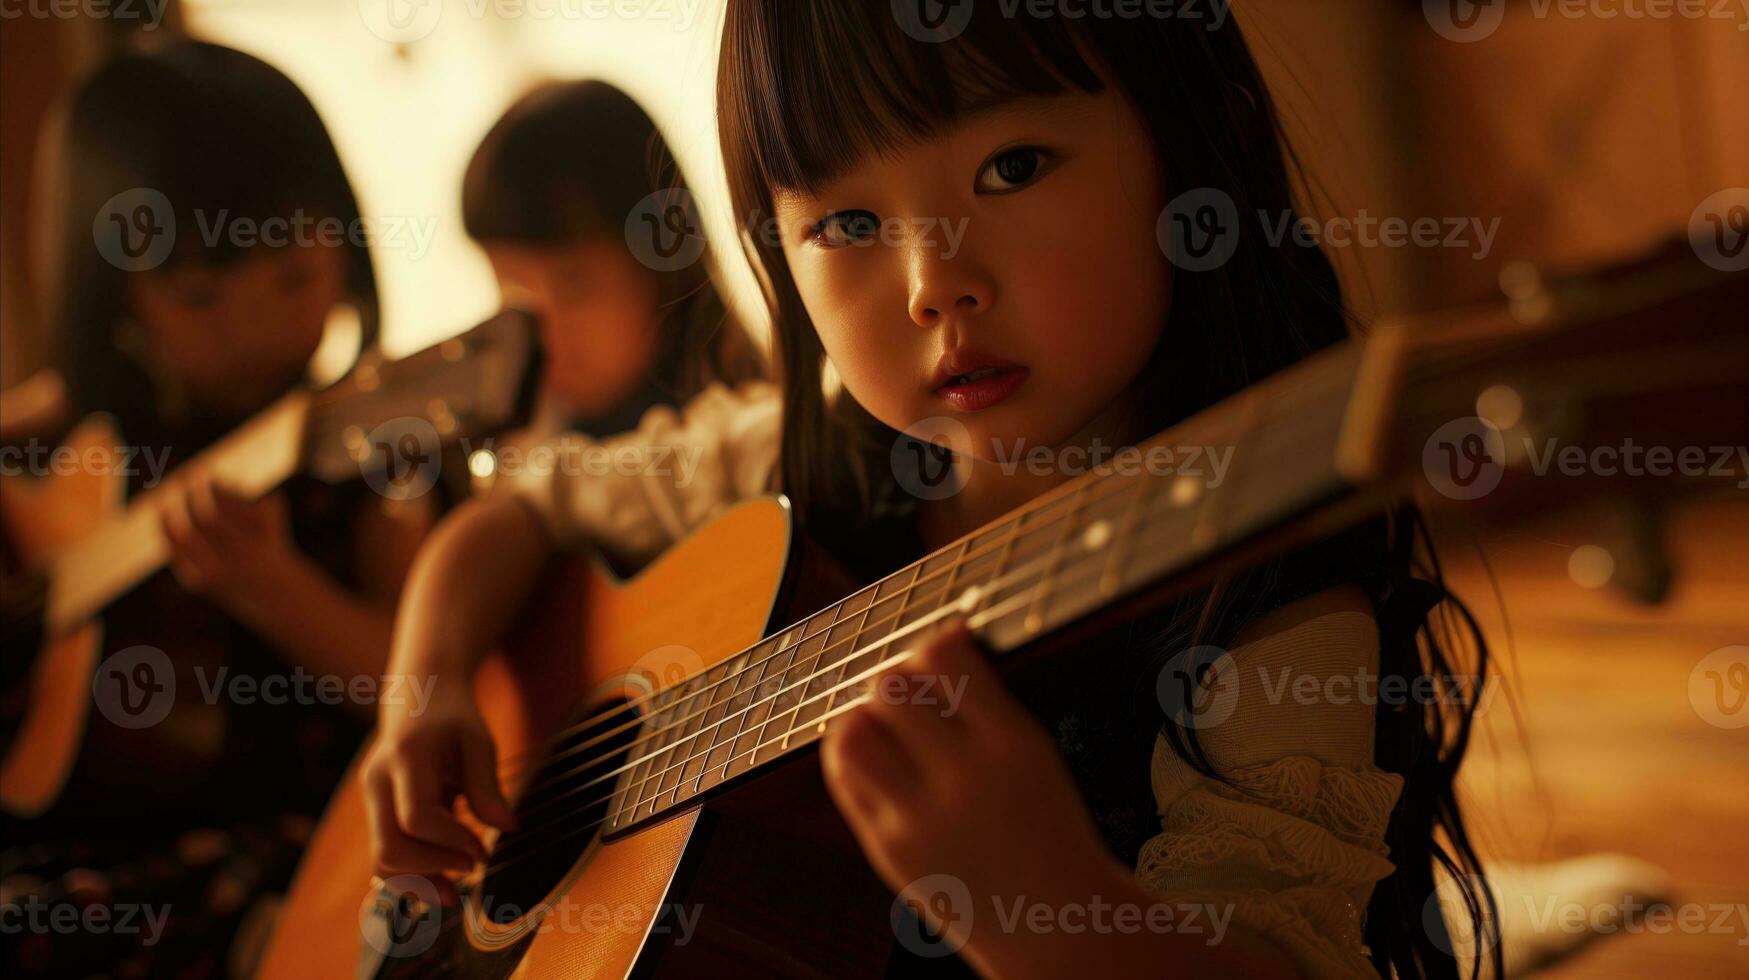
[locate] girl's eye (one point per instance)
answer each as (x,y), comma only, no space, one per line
(842,228)
(1013,168)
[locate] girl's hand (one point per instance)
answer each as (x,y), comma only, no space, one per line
(230,549)
(421,762)
(942,772)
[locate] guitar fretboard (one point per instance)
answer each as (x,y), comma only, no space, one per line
(1200,488)
(252,460)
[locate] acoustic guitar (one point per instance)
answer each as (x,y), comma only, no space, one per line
(657,734)
(83,544)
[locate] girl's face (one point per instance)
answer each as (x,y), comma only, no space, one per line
(1019,245)
(235,335)
(597,310)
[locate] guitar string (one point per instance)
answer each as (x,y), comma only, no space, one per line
(1074,576)
(1120,480)
(772,699)
(521,761)
(693,737)
(818,656)
(1019,603)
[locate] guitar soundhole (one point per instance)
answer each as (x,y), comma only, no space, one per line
(559,814)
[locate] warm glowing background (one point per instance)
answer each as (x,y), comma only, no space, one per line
(1588,138)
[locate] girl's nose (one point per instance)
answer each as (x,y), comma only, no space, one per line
(951,288)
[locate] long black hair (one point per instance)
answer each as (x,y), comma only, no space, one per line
(214,131)
(805,91)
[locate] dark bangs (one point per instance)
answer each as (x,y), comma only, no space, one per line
(847,80)
(569,161)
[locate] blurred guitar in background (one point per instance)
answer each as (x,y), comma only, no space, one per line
(79,544)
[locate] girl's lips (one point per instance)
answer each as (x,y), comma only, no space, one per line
(992,389)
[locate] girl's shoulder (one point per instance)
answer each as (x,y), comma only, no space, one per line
(1341,612)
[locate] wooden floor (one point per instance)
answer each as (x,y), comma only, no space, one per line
(1606,750)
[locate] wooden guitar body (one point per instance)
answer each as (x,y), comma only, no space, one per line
(41,517)
(723,886)
(78,545)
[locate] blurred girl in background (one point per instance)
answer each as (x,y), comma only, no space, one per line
(201,311)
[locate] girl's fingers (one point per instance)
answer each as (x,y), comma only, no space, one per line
(191,555)
(396,852)
(480,784)
(422,814)
(203,508)
(868,771)
(220,515)
(967,683)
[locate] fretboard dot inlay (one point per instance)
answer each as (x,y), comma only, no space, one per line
(1097,535)
(1185,491)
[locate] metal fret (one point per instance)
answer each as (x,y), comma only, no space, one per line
(1041,591)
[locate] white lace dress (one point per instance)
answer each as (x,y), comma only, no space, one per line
(1293,840)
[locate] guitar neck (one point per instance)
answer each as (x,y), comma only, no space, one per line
(1261,461)
(477,381)
(251,460)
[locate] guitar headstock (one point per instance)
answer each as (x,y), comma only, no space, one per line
(1630,384)
(472,384)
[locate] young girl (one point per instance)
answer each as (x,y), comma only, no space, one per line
(546,196)
(1057,320)
(204,151)
(634,356)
